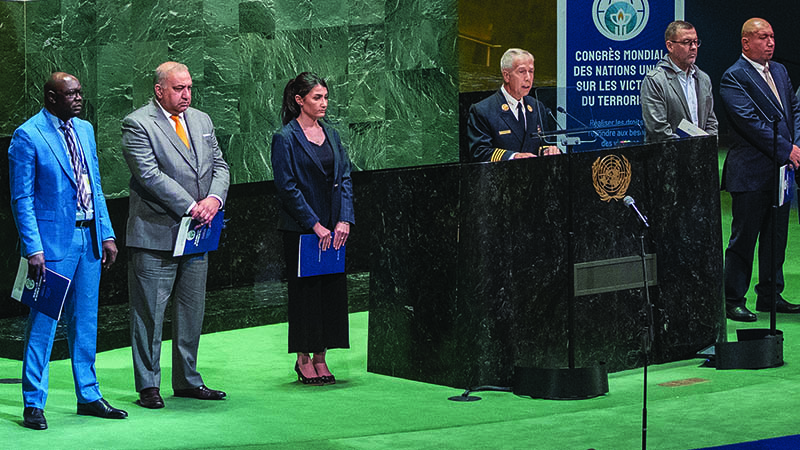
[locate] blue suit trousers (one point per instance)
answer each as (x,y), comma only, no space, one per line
(82,265)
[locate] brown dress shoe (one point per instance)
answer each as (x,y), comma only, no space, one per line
(150,398)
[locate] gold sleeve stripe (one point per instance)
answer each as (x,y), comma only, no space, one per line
(497,155)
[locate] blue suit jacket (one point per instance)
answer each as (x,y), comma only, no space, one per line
(749,103)
(495,134)
(303,188)
(43,188)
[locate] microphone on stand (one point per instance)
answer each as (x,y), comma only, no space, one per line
(538,134)
(564,111)
(631,203)
(560,128)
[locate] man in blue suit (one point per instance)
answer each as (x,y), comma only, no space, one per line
(63,225)
(754,90)
(508,124)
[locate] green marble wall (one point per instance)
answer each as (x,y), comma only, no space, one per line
(391,67)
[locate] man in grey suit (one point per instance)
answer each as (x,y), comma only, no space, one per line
(176,170)
(676,88)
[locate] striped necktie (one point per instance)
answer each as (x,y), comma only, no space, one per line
(78,165)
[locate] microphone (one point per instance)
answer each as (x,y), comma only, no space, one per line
(538,133)
(631,203)
(560,128)
(564,111)
(564,139)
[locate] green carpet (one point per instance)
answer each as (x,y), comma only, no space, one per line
(267,408)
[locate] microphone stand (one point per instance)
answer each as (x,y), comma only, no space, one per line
(568,143)
(648,332)
(569,382)
(773,314)
(760,348)
(774,118)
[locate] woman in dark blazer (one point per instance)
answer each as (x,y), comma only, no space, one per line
(312,177)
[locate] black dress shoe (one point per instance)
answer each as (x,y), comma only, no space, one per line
(740,314)
(150,398)
(201,393)
(33,418)
(328,379)
(101,408)
(782,306)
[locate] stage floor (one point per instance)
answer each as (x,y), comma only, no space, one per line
(266,408)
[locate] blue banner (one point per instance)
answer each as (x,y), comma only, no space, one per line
(606,47)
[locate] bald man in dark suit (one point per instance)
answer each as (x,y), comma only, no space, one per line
(754,90)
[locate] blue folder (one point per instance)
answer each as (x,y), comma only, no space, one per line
(312,261)
(191,240)
(47,297)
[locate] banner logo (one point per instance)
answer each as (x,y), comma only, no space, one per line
(620,20)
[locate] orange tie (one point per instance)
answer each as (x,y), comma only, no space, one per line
(179,129)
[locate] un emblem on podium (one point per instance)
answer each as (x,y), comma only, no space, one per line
(611,176)
(620,20)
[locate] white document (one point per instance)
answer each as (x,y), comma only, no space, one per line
(688,129)
(783,194)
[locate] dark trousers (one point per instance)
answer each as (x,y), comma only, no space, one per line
(317,306)
(752,221)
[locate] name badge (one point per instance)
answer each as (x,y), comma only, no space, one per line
(502,132)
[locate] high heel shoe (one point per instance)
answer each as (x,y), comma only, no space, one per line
(314,381)
(326,379)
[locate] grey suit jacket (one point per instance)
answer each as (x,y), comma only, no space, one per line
(664,103)
(166,177)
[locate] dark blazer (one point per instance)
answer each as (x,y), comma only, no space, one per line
(303,188)
(43,188)
(495,134)
(749,103)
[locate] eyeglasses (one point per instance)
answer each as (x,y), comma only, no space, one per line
(72,93)
(688,43)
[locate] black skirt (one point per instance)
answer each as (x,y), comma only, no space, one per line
(317,306)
